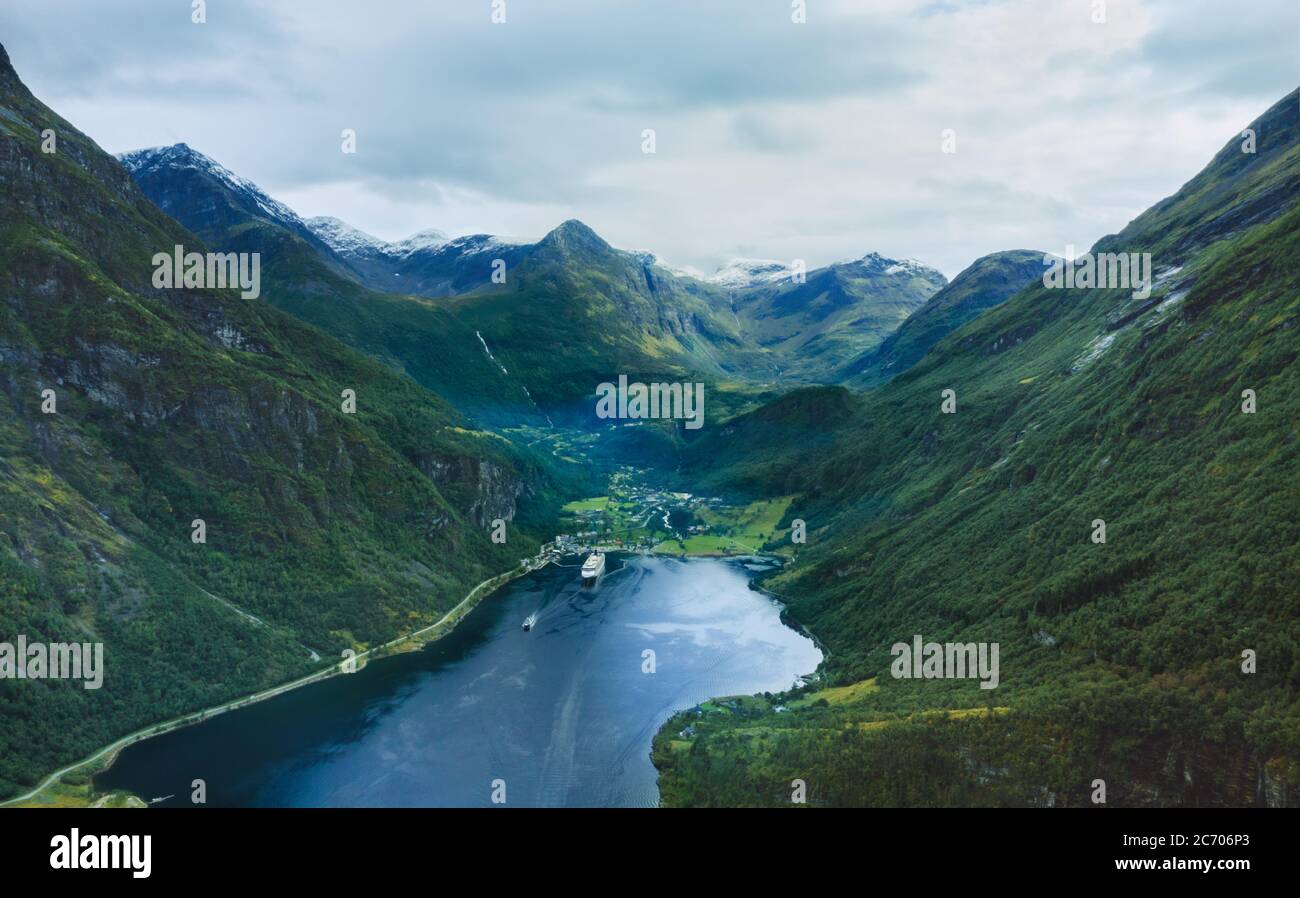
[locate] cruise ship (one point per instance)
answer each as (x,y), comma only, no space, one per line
(593,567)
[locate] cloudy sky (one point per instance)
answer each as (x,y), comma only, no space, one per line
(818,141)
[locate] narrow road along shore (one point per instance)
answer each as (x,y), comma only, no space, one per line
(452,617)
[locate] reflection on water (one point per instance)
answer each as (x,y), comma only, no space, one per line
(563,713)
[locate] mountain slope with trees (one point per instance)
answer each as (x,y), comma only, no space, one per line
(129,413)
(1163,661)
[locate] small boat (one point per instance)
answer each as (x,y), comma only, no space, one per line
(530,621)
(593,567)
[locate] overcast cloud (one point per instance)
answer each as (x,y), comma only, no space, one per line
(819,141)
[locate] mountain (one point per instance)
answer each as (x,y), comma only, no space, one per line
(834,315)
(348,241)
(214,198)
(572,311)
(312,273)
(130,412)
(575,312)
(987,282)
(1162,661)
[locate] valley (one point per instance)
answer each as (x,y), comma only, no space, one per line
(230,489)
(1125,660)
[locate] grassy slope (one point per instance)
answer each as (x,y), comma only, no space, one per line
(1119,661)
(183,404)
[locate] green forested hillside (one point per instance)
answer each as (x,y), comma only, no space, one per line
(1120,661)
(324,530)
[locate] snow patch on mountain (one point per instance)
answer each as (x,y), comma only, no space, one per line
(471,244)
(748,272)
(419,241)
(875,262)
(345,239)
(651,259)
(341,237)
(740,273)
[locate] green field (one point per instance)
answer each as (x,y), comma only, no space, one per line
(733,531)
(597,503)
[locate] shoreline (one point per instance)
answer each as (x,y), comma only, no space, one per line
(795,624)
(105,757)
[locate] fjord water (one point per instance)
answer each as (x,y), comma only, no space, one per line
(564,714)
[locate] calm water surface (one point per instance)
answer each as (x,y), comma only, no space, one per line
(564,713)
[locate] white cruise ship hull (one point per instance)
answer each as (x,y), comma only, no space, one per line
(592,568)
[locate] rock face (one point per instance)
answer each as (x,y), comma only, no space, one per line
(163,448)
(492,490)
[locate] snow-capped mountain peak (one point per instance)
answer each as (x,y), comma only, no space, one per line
(349,241)
(183,156)
(470,244)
